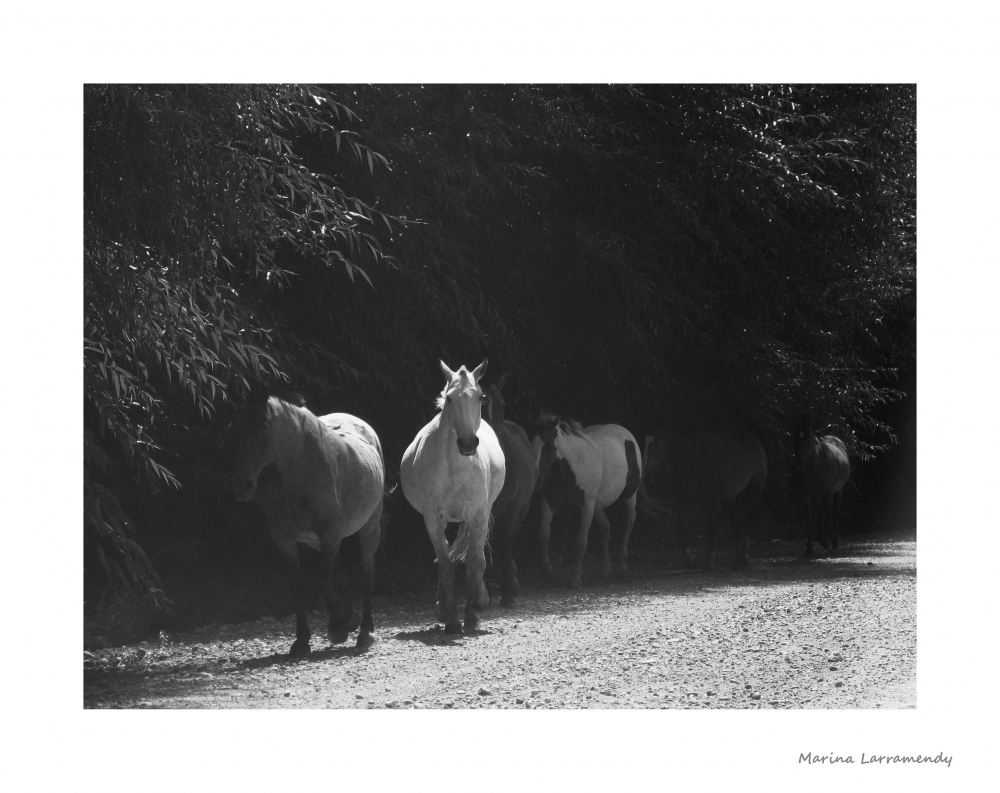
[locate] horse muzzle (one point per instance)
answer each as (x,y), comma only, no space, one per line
(468,447)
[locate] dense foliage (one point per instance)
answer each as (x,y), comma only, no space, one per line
(707,255)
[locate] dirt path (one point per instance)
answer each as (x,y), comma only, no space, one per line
(834,633)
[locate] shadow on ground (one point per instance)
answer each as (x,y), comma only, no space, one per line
(125,676)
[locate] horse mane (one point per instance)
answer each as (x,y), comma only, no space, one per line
(286,395)
(566,425)
(254,408)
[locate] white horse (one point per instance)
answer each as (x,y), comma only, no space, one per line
(453,471)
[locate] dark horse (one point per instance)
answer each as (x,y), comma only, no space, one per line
(512,504)
(317,480)
(822,469)
(708,473)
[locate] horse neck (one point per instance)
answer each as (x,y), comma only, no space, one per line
(575,449)
(287,430)
(496,421)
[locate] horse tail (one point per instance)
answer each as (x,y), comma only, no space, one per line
(460,548)
(387,493)
(657,510)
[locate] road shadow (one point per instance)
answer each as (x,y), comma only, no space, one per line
(325,654)
(772,565)
(436,637)
(128,676)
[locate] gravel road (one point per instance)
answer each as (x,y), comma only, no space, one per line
(830,633)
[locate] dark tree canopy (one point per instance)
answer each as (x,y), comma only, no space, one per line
(705,255)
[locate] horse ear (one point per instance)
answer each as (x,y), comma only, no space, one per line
(480,370)
(502,381)
(447,372)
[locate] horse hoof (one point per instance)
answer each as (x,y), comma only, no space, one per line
(365,640)
(337,636)
(453,627)
(471,623)
(299,649)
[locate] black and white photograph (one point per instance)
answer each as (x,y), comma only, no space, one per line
(519,397)
(500,396)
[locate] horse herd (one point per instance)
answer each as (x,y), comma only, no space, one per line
(319,479)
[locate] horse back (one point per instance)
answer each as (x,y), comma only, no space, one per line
(740,462)
(519,462)
(621,466)
(719,466)
(349,464)
(346,424)
(331,483)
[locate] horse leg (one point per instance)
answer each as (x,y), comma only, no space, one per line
(475,566)
(714,526)
(823,504)
(836,501)
(743,515)
(343,620)
(544,530)
(300,647)
(445,608)
(586,516)
(505,533)
(629,525)
(370,535)
(737,517)
(602,523)
(809,528)
(684,532)
(515,587)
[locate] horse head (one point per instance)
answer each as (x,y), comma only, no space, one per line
(544,447)
(803,439)
(461,404)
(494,404)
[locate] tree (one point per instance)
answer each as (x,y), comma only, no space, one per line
(712,255)
(194,200)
